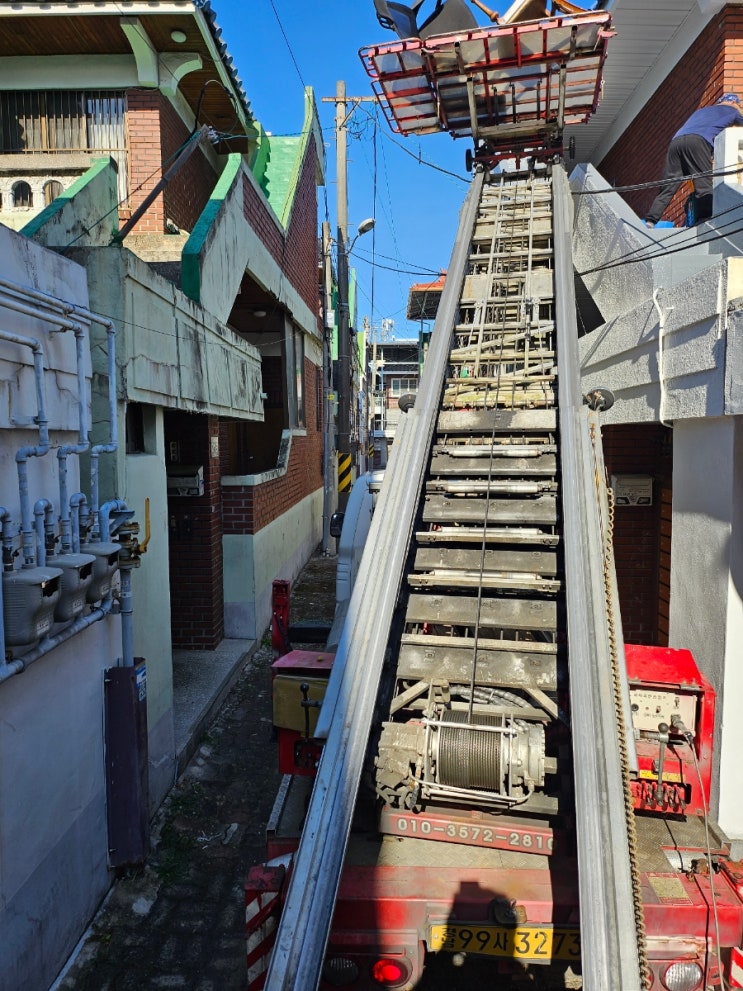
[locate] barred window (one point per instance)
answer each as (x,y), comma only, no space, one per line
(64,120)
(52,189)
(23,198)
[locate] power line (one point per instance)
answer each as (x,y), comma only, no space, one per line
(647,253)
(391,268)
(654,183)
(420,160)
(288,45)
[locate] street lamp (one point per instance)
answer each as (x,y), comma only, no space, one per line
(364,227)
(344,346)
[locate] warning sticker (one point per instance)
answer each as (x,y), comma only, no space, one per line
(669,889)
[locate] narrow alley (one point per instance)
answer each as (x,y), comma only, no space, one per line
(178,923)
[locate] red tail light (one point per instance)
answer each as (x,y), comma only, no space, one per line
(391,972)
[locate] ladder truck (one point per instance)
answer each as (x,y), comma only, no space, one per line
(483,768)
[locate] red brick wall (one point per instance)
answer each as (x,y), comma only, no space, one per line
(188,192)
(145,156)
(248,509)
(195,538)
(710,68)
(155,132)
(638,449)
(296,251)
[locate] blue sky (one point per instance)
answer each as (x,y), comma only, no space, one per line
(279,46)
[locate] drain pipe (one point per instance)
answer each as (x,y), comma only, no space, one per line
(7,566)
(661,370)
(44,521)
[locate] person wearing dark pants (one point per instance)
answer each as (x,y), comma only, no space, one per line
(690,156)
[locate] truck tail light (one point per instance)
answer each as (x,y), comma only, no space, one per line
(682,976)
(391,972)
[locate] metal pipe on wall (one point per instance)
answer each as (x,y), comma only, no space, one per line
(43,511)
(50,643)
(78,505)
(6,520)
(30,451)
(113,442)
(67,309)
(59,317)
(82,445)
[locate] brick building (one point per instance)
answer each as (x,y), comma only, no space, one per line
(659,314)
(139,161)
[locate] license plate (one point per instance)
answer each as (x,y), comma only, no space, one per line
(532,944)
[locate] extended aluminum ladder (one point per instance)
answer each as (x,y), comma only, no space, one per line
(610,927)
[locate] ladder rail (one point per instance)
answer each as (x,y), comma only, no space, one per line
(304,927)
(610,939)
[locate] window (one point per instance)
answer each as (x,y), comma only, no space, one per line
(295,375)
(52,190)
(62,121)
(23,198)
(141,429)
(399,386)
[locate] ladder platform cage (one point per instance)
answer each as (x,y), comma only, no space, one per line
(510,88)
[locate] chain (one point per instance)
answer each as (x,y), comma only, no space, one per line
(607,531)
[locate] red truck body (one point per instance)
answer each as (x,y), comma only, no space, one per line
(504,888)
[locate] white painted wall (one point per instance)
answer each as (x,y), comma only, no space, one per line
(53,838)
(252,562)
(145,479)
(706,614)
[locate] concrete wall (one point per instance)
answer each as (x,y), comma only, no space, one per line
(671,351)
(253,561)
(679,341)
(171,354)
(66,219)
(53,838)
(176,354)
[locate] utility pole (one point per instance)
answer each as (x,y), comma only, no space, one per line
(344,331)
(328,460)
(344,383)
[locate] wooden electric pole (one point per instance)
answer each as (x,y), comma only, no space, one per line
(345,377)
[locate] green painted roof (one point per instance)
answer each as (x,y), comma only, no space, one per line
(278,160)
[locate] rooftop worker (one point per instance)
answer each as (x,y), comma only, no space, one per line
(690,156)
